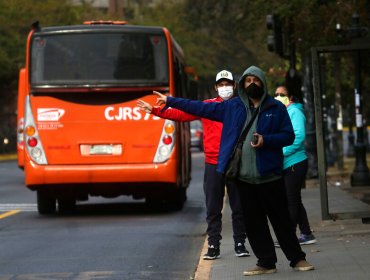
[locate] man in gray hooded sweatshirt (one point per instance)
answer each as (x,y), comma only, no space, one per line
(260,181)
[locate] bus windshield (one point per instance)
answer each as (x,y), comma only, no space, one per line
(76,59)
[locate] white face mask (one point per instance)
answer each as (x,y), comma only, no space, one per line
(225,92)
(283,99)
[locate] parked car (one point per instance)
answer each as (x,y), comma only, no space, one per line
(196,132)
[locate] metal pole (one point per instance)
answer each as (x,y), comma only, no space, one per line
(360,175)
(311,146)
(321,161)
(338,113)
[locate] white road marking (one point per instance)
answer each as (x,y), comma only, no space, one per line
(26,207)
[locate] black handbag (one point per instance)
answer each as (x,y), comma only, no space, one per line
(232,169)
(233,166)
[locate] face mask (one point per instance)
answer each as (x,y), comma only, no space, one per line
(225,92)
(253,91)
(283,99)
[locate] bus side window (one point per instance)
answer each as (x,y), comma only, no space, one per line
(177,79)
(180,79)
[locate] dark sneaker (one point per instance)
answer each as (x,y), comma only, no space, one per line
(306,239)
(241,251)
(259,270)
(212,253)
(303,265)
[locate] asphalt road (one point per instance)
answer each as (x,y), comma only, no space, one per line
(116,238)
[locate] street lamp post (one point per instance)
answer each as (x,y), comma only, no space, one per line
(360,175)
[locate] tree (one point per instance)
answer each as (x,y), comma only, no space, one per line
(215,35)
(13,35)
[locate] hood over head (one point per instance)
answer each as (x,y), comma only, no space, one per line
(252,71)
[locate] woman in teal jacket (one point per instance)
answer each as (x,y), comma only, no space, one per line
(260,181)
(296,165)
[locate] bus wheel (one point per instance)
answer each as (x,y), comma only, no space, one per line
(66,205)
(46,202)
(176,199)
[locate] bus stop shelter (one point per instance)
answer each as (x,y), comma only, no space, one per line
(318,55)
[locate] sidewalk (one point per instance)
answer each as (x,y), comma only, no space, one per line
(342,250)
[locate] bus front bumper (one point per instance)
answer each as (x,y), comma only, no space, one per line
(87,174)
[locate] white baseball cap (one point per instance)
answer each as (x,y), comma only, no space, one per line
(224,74)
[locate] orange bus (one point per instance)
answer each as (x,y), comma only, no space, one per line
(80,132)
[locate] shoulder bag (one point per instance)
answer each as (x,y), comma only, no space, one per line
(233,166)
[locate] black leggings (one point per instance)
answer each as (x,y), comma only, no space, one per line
(294,178)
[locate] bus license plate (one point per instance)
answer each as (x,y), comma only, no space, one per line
(109,149)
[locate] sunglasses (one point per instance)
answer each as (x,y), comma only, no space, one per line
(280,94)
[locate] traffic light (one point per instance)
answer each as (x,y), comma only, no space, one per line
(275,41)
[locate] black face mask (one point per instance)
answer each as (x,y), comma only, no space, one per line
(253,91)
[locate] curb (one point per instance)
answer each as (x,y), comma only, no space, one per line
(204,266)
(8,157)
(203,270)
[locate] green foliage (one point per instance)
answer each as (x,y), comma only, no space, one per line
(232,34)
(214,34)
(16,17)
